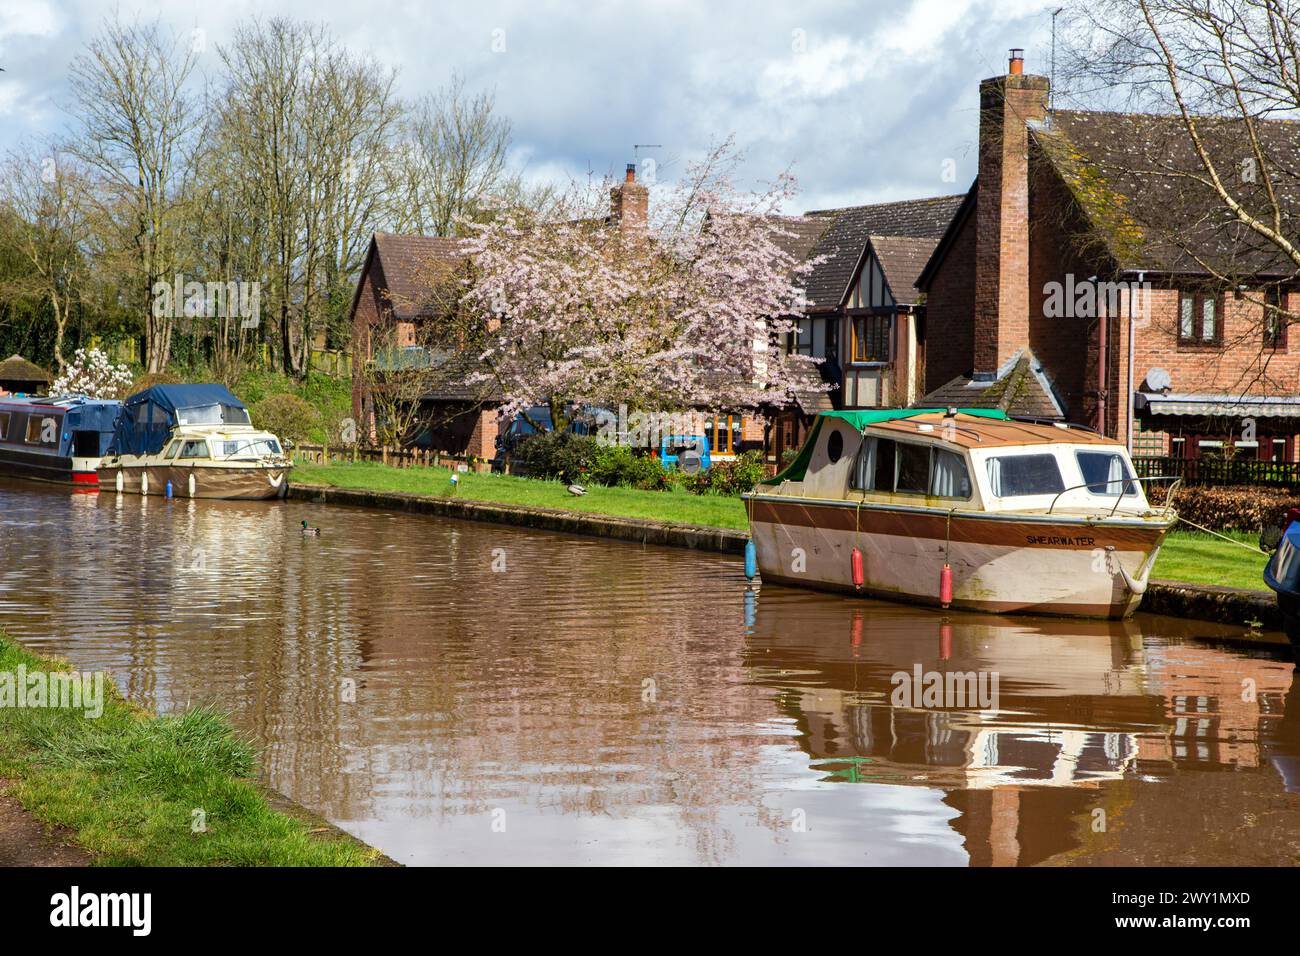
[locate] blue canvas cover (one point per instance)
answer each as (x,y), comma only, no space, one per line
(149,416)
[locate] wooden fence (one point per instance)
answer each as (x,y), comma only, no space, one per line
(1220,471)
(392,456)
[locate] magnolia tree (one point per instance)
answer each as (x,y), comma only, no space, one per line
(93,375)
(685,314)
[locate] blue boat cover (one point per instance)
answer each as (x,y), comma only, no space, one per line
(149,416)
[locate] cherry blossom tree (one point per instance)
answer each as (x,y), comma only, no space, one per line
(684,314)
(92,374)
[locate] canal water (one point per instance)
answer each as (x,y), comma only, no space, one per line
(454,692)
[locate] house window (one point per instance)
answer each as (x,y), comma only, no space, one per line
(870,334)
(4,426)
(1200,318)
(809,337)
(1274,319)
(725,434)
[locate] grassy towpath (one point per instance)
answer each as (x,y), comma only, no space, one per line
(124,787)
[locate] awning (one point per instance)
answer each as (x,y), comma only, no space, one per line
(1263,406)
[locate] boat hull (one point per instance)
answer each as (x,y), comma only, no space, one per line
(251,483)
(1000,563)
(60,469)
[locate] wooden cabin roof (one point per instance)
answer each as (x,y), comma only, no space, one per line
(975,432)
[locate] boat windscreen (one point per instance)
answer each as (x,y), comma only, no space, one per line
(212,415)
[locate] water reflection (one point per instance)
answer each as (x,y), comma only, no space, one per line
(609,703)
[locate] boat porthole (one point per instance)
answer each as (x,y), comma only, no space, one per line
(144,482)
(835,446)
(119,482)
(191,484)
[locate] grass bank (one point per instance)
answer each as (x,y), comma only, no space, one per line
(678,506)
(1188,556)
(140,790)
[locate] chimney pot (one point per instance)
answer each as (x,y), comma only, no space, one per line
(1017,64)
(631,173)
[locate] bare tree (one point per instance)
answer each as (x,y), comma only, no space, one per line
(43,193)
(312,122)
(137,117)
(451,163)
(1226,70)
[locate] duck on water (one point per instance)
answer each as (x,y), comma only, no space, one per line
(963,508)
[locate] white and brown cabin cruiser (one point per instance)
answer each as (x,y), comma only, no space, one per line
(963,508)
(193,441)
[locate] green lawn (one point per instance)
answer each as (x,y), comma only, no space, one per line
(1204,559)
(1186,556)
(128,784)
(677,506)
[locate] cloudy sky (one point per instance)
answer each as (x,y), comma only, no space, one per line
(864,101)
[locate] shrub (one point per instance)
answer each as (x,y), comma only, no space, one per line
(561,455)
(1236,508)
(619,465)
(287,416)
(732,477)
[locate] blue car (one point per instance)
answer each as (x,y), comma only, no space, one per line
(688,453)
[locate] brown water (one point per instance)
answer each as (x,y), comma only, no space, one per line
(524,697)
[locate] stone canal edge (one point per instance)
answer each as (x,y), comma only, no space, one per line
(1223,605)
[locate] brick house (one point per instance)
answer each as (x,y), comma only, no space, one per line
(1084,279)
(862,314)
(394,296)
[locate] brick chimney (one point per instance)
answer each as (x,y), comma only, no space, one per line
(1007,103)
(629,203)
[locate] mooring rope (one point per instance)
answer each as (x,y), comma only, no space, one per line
(1240,544)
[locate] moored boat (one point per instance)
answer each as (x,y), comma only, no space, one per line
(56,439)
(1282,572)
(968,509)
(193,441)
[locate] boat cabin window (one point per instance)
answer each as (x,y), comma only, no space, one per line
(1011,476)
(886,465)
(913,468)
(4,425)
(42,430)
(172,449)
(194,449)
(1105,471)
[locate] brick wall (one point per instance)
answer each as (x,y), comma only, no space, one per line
(483,439)
(1002,214)
(366,320)
(950,312)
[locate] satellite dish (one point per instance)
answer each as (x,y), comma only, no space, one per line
(1158,380)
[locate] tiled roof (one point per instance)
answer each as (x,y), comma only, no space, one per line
(1128,173)
(849,230)
(1021,389)
(902,258)
(410,266)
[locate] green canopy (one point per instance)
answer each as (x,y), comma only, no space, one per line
(861,418)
